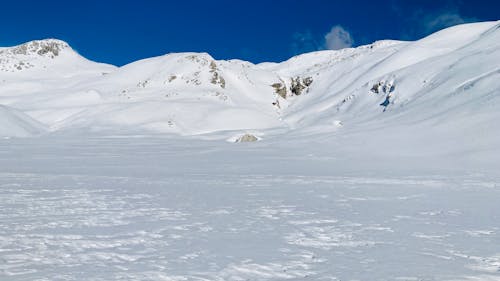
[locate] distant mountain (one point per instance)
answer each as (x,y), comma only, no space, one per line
(447,81)
(45,58)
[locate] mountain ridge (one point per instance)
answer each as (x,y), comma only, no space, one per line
(191,94)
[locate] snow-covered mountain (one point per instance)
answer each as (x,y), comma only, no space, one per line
(375,163)
(449,79)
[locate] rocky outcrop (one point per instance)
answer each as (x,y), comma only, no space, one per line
(247,138)
(47,48)
(383,86)
(387,88)
(297,86)
(217,79)
(172,78)
(280,89)
(300,84)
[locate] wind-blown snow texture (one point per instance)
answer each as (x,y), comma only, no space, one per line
(373,163)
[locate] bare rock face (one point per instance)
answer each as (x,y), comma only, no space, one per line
(47,48)
(300,84)
(280,89)
(217,79)
(51,48)
(383,86)
(307,81)
(376,88)
(297,87)
(247,138)
(387,88)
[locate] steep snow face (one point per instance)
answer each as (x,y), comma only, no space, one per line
(450,77)
(17,124)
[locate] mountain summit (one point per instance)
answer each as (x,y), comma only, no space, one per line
(47,48)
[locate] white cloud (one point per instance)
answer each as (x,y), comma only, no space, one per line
(338,38)
(420,22)
(446,19)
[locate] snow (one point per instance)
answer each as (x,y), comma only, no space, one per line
(136,172)
(170,209)
(192,94)
(17,124)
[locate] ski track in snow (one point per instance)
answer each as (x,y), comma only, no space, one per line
(251,227)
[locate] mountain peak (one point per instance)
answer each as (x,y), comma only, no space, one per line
(45,48)
(48,54)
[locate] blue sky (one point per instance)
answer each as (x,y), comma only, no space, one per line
(120,32)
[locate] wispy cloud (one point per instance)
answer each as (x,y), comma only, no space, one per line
(445,19)
(338,38)
(420,22)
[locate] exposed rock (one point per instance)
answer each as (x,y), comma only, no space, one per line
(200,59)
(221,96)
(376,88)
(49,48)
(247,138)
(307,81)
(383,87)
(20,50)
(143,84)
(216,77)
(277,104)
(280,89)
(172,78)
(213,66)
(298,85)
(387,88)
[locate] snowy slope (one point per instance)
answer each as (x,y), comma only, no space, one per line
(417,72)
(17,124)
(448,77)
